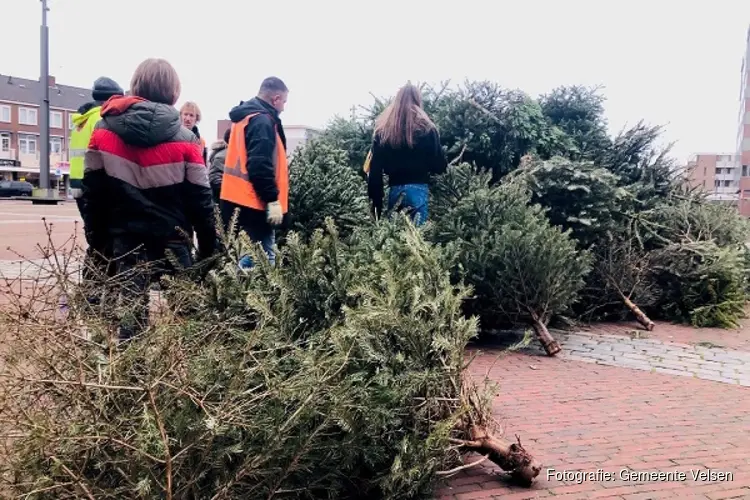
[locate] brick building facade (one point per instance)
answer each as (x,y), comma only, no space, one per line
(717,174)
(726,176)
(20,130)
(743,132)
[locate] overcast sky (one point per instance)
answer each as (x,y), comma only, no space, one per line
(668,62)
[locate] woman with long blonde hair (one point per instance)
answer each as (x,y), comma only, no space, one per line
(406,147)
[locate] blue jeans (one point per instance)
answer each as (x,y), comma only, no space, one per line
(267,241)
(414,201)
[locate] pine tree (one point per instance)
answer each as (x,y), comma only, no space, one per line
(577,195)
(456,183)
(522,269)
(323,185)
(579,112)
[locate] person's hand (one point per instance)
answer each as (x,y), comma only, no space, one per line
(273,213)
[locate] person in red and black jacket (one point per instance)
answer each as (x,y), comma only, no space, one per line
(146,185)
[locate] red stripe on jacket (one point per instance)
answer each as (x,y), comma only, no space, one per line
(165,153)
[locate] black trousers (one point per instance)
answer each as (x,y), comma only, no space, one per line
(139,264)
(98,267)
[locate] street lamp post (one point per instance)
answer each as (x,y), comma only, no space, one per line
(44,172)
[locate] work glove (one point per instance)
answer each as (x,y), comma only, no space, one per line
(273,213)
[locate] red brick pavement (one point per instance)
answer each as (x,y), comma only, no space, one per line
(579,416)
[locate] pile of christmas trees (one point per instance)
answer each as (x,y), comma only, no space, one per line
(553,218)
(337,373)
(340,372)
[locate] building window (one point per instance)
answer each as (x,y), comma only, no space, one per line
(717,183)
(718,171)
(5,114)
(4,143)
(744,170)
(55,145)
(727,183)
(55,119)
(27,144)
(27,116)
(70,121)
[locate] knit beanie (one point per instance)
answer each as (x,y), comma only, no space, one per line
(104,88)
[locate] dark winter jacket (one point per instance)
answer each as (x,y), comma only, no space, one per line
(404,165)
(260,142)
(202,141)
(144,177)
(216,170)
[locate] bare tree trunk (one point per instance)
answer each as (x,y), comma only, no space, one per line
(511,457)
(639,315)
(551,347)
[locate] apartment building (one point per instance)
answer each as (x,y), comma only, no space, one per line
(716,174)
(726,176)
(296,135)
(743,131)
(20,130)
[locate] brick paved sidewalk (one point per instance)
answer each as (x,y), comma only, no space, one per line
(578,416)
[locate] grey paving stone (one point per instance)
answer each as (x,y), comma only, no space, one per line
(703,372)
(725,355)
(670,371)
(673,365)
(624,348)
(633,355)
(689,357)
(635,364)
(30,269)
(714,364)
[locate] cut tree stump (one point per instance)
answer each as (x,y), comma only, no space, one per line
(551,346)
(639,315)
(511,457)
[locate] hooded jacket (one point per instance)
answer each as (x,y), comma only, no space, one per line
(260,142)
(216,161)
(145,178)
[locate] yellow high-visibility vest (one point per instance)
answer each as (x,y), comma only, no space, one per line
(366,167)
(83,127)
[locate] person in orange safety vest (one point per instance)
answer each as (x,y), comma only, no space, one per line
(256,175)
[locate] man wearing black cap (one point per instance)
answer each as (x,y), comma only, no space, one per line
(83,126)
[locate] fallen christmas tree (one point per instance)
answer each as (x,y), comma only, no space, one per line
(339,373)
(587,200)
(698,253)
(522,269)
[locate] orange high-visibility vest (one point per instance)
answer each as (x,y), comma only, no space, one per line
(235,183)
